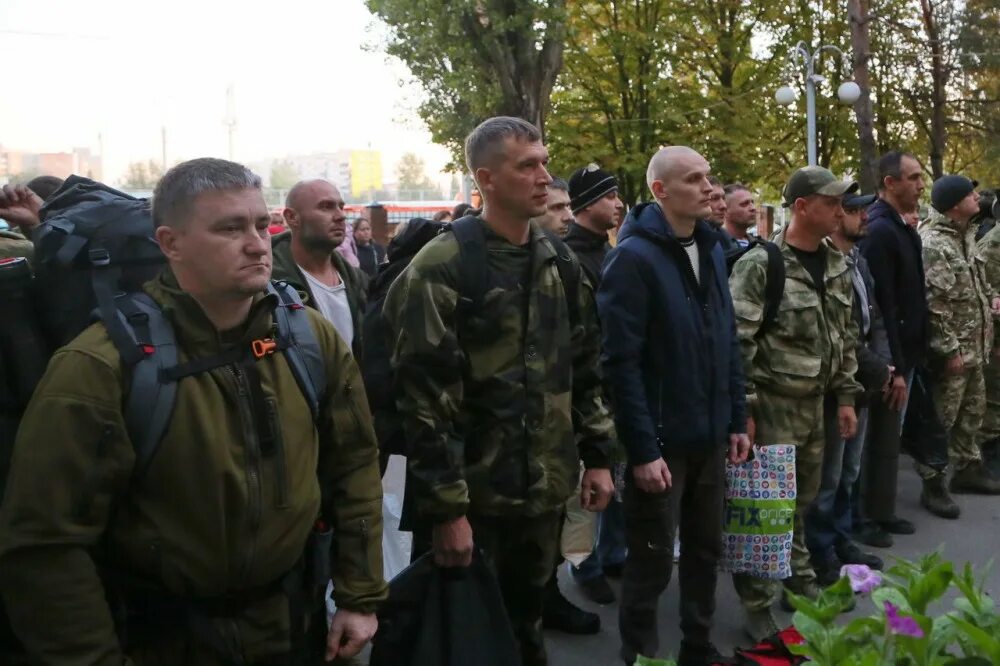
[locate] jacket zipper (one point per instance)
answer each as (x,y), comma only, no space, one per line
(252,450)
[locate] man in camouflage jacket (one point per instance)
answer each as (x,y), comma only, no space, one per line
(501,404)
(988,253)
(959,298)
(805,354)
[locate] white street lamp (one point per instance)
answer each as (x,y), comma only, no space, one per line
(800,57)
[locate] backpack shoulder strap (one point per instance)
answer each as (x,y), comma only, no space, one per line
(569,272)
(150,401)
(471,239)
(774,287)
(302,350)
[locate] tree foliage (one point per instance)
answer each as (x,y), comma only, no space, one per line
(413,180)
(283,175)
(476,58)
(142,175)
(638,74)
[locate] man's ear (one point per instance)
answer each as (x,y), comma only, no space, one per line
(658,190)
(168,238)
(484,180)
(291,218)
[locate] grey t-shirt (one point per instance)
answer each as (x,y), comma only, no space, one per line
(332,304)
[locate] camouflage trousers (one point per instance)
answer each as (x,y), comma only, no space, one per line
(798,421)
(961,403)
(521,550)
(991,419)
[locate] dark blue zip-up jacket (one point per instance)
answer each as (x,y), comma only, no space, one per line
(671,356)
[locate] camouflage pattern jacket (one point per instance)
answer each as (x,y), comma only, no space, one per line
(988,255)
(810,348)
(958,292)
(499,405)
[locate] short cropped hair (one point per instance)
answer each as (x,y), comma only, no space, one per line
(735,187)
(179,187)
(45,186)
(559,184)
(890,164)
(485,143)
(714,181)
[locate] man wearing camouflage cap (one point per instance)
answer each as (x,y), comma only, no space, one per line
(959,297)
(806,353)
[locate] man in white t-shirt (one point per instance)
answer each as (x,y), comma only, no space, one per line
(305,257)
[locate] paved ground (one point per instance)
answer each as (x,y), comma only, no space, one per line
(973,538)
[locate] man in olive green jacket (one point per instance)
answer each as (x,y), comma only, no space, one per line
(189,563)
(305,257)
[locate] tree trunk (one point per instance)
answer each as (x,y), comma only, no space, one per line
(939,80)
(861,45)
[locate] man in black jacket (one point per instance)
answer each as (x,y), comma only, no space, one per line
(597,209)
(672,361)
(893,250)
(828,525)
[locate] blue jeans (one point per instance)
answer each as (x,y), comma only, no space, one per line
(830,518)
(610,547)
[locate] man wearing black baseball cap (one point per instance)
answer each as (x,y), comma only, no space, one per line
(829,524)
(960,301)
(791,363)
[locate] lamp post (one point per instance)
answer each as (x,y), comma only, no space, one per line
(800,57)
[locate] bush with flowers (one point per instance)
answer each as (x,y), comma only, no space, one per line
(908,627)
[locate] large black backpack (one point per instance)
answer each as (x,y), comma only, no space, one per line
(377,368)
(774,286)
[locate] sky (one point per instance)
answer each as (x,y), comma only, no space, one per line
(123,69)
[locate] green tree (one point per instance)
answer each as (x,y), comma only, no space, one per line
(283,175)
(476,58)
(413,180)
(142,175)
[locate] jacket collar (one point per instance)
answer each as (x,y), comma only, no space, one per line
(195,332)
(648,220)
(585,236)
(836,265)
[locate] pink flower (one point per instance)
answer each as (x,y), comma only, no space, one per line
(863,579)
(902,626)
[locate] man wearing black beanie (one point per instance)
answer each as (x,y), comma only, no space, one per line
(597,209)
(961,330)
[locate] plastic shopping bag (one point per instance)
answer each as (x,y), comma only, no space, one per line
(760,513)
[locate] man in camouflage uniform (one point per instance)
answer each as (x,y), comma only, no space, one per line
(806,353)
(959,298)
(988,254)
(500,404)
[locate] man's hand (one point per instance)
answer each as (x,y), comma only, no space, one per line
(739,448)
(895,396)
(452,543)
(653,477)
(348,633)
(20,206)
(955,366)
(847,420)
(751,430)
(596,489)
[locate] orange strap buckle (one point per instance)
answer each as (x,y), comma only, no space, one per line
(262,348)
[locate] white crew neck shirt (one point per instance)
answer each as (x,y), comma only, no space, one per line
(332,304)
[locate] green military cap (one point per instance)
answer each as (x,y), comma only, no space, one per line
(815,180)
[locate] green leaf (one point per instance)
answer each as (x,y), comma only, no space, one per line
(987,645)
(810,628)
